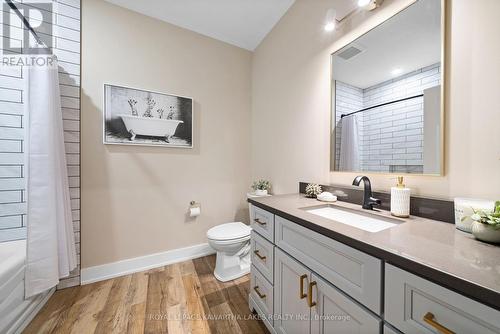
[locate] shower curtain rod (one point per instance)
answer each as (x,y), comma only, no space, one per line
(381,105)
(25,21)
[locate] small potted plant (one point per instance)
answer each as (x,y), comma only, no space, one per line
(486,224)
(313,190)
(261,187)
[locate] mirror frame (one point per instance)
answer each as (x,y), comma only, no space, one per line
(441,172)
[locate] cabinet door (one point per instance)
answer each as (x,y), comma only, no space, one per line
(334,312)
(390,330)
(415,305)
(292,313)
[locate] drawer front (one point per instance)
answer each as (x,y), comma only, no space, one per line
(356,273)
(263,317)
(262,256)
(262,222)
(334,312)
(411,300)
(261,291)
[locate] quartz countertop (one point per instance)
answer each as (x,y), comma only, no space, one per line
(431,249)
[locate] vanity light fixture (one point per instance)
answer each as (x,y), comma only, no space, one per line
(333,20)
(370,4)
(330,20)
(330,26)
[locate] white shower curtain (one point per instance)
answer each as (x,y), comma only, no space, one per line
(51,251)
(349,148)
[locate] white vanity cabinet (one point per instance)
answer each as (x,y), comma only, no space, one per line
(312,281)
(306,283)
(306,303)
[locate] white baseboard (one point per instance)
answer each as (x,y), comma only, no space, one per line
(129,266)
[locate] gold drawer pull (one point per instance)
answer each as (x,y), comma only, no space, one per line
(431,320)
(257,220)
(256,252)
(256,288)
(302,295)
(310,293)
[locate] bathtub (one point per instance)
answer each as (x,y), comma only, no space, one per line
(148,126)
(15,311)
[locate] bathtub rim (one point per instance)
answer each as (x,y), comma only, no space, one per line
(25,311)
(34,308)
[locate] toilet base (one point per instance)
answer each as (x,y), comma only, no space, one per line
(228,268)
(233,277)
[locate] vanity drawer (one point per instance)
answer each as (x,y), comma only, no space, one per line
(411,300)
(262,255)
(262,222)
(261,291)
(356,273)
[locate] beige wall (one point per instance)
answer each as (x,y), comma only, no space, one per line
(135,199)
(291,91)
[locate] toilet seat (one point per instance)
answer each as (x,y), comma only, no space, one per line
(230,241)
(229,232)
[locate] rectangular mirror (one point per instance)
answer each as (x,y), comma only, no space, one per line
(387,96)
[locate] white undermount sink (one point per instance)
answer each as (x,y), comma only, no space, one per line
(364,221)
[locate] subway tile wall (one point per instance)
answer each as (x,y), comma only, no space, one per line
(391,135)
(65,18)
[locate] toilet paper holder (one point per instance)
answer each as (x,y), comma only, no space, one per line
(194,209)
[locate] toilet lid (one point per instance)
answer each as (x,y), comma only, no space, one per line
(229,231)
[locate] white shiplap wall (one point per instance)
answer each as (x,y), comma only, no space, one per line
(66,41)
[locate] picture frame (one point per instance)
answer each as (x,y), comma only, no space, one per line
(133,116)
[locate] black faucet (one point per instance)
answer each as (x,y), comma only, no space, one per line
(368,200)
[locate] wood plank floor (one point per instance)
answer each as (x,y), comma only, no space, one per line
(179,298)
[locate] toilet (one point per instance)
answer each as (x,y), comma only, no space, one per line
(232,243)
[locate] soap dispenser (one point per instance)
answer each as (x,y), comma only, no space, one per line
(400,199)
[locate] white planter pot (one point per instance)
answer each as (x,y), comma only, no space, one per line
(486,233)
(259,192)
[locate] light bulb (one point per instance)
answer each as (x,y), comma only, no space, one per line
(397,71)
(330,26)
(362,3)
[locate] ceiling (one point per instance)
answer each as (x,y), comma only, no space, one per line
(408,41)
(243,23)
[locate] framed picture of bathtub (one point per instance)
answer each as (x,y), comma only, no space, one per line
(141,117)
